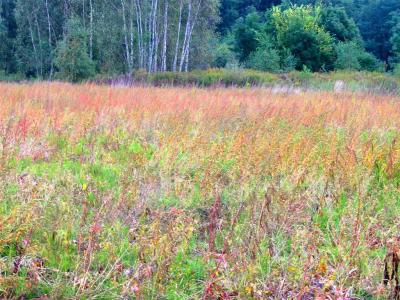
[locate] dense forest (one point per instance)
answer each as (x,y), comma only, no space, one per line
(79,39)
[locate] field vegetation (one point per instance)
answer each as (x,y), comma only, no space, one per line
(368,82)
(189,193)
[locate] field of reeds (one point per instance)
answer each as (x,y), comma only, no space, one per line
(188,193)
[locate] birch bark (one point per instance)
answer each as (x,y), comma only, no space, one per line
(177,37)
(164,51)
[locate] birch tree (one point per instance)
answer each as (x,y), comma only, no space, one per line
(122,35)
(49,39)
(164,51)
(178,36)
(127,51)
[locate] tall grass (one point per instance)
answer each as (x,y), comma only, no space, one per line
(174,193)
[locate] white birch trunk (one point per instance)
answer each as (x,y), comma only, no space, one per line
(127,56)
(187,49)
(177,38)
(150,30)
(50,46)
(139,33)
(131,32)
(156,40)
(187,31)
(164,51)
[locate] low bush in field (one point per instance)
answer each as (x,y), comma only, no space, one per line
(354,81)
(212,77)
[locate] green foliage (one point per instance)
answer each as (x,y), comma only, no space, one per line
(288,61)
(395,37)
(355,81)
(226,34)
(72,59)
(336,21)
(5,76)
(376,23)
(347,56)
(396,70)
(298,29)
(351,56)
(3,45)
(7,38)
(224,55)
(211,77)
(369,62)
(266,57)
(246,32)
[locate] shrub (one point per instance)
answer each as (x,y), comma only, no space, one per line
(368,62)
(264,60)
(72,59)
(266,57)
(347,56)
(396,70)
(288,61)
(351,56)
(224,56)
(298,29)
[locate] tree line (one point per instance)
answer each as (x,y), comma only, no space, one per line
(78,39)
(318,35)
(75,39)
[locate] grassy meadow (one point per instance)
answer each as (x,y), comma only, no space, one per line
(189,193)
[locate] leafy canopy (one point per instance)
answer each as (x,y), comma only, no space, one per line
(299,30)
